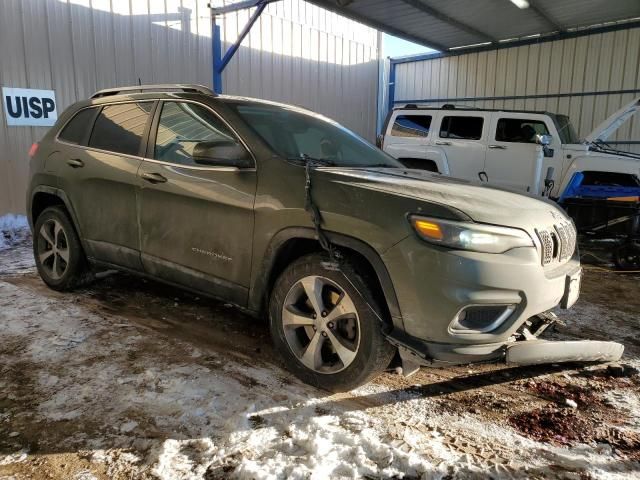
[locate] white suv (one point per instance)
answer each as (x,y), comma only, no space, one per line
(499,147)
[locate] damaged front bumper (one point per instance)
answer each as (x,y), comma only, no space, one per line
(537,352)
(524,348)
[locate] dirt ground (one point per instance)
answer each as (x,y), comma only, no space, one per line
(129,378)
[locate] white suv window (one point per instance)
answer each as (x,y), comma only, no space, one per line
(519,130)
(411,126)
(461,128)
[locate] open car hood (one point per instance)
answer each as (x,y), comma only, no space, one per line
(611,124)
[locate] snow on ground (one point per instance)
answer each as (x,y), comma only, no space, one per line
(89,392)
(13,230)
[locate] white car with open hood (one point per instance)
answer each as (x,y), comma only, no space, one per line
(500,147)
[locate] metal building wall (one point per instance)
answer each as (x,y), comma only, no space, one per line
(76,47)
(302,54)
(604,62)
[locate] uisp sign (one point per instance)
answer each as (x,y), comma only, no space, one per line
(29,107)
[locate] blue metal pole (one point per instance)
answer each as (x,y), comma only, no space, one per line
(234,48)
(392,84)
(217,57)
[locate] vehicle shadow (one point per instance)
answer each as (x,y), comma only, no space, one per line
(443,388)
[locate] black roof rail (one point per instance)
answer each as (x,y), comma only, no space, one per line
(187,88)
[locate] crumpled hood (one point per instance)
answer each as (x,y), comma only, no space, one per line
(481,203)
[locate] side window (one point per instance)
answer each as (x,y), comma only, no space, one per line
(411,126)
(119,128)
(463,128)
(76,129)
(519,130)
(185,128)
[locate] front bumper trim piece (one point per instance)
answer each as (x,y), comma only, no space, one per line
(537,352)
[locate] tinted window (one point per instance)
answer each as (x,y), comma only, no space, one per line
(411,126)
(466,128)
(519,130)
(77,128)
(183,126)
(119,128)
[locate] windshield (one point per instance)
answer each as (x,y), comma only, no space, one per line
(295,134)
(565,129)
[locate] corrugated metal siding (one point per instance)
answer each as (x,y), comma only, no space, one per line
(302,54)
(297,53)
(603,62)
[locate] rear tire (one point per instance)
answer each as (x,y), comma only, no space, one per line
(327,326)
(59,256)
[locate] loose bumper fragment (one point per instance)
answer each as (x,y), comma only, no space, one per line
(536,352)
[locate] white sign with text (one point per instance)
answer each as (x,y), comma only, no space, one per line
(29,107)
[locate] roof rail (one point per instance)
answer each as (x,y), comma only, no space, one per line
(188,88)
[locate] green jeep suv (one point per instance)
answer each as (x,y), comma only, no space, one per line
(285,213)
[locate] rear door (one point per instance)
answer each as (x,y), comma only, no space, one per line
(462,138)
(512,150)
(196,220)
(100,178)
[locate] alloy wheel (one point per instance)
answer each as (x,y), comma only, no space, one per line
(53,249)
(321,324)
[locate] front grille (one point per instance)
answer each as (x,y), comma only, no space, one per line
(558,243)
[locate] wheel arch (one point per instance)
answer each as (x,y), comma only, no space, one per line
(292,243)
(45,196)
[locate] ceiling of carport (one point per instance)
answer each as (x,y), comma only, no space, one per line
(450,24)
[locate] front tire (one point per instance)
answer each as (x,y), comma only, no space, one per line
(57,250)
(326,325)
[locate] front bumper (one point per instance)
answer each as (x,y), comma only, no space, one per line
(434,285)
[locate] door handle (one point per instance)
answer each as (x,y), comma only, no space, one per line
(439,142)
(154,177)
(498,147)
(75,163)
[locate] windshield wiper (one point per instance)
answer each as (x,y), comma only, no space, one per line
(312,161)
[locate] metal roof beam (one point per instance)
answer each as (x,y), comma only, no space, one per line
(234,7)
(338,6)
(449,20)
(544,15)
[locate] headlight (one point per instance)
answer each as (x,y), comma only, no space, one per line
(476,237)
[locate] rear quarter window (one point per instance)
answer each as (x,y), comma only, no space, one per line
(412,126)
(76,129)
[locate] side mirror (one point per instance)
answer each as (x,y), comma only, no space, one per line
(222,154)
(543,139)
(379,141)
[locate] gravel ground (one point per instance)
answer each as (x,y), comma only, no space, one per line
(132,379)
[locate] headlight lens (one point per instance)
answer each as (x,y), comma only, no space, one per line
(476,237)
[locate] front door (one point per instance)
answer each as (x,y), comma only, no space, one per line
(100,178)
(461,136)
(512,152)
(196,218)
